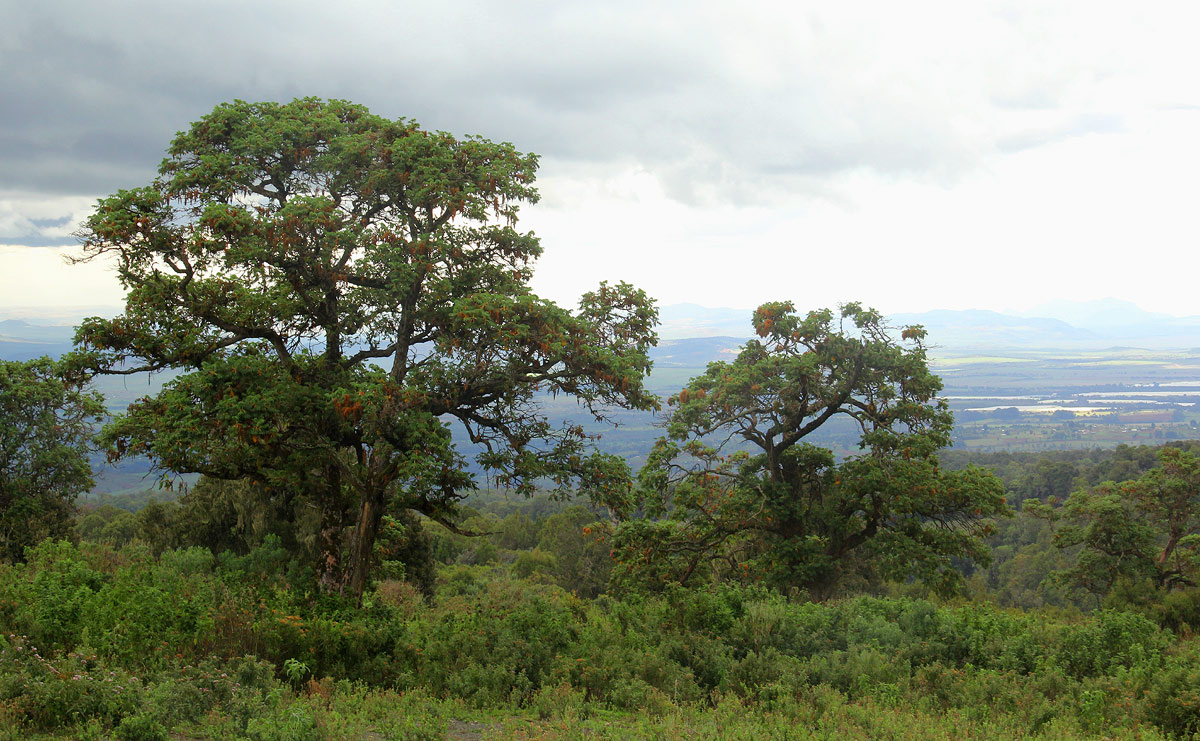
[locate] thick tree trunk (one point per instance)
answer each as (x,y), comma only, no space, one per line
(330,575)
(362,546)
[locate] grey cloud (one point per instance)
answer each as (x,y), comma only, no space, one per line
(95,91)
(36,240)
(51,223)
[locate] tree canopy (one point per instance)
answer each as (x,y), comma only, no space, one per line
(46,421)
(735,490)
(339,287)
(1146,529)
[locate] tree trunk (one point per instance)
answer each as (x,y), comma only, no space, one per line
(362,547)
(330,575)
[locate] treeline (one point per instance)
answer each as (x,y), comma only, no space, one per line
(558,541)
(1057,473)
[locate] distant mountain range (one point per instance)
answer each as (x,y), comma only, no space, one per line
(978,328)
(1067,324)
(1104,314)
(22,340)
(692,335)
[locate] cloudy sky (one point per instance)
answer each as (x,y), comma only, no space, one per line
(909,155)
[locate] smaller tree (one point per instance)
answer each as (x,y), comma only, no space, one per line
(46,421)
(1148,529)
(735,490)
(581,560)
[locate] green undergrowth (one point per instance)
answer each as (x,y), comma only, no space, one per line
(104,643)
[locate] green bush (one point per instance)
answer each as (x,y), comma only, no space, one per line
(140,728)
(294,721)
(209,639)
(534,562)
(1177,610)
(617,658)
(1110,641)
(764,676)
(1173,694)
(55,586)
(495,646)
(59,690)
(191,692)
(560,702)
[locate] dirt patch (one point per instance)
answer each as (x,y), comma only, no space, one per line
(459,729)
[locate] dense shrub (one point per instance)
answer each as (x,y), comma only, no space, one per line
(211,639)
(126,606)
(495,647)
(1109,642)
(56,690)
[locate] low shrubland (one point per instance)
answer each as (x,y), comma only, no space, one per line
(105,642)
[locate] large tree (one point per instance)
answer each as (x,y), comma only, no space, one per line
(46,423)
(735,489)
(338,287)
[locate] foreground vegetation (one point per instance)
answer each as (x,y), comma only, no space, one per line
(100,641)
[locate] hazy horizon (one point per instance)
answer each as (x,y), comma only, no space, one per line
(68,315)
